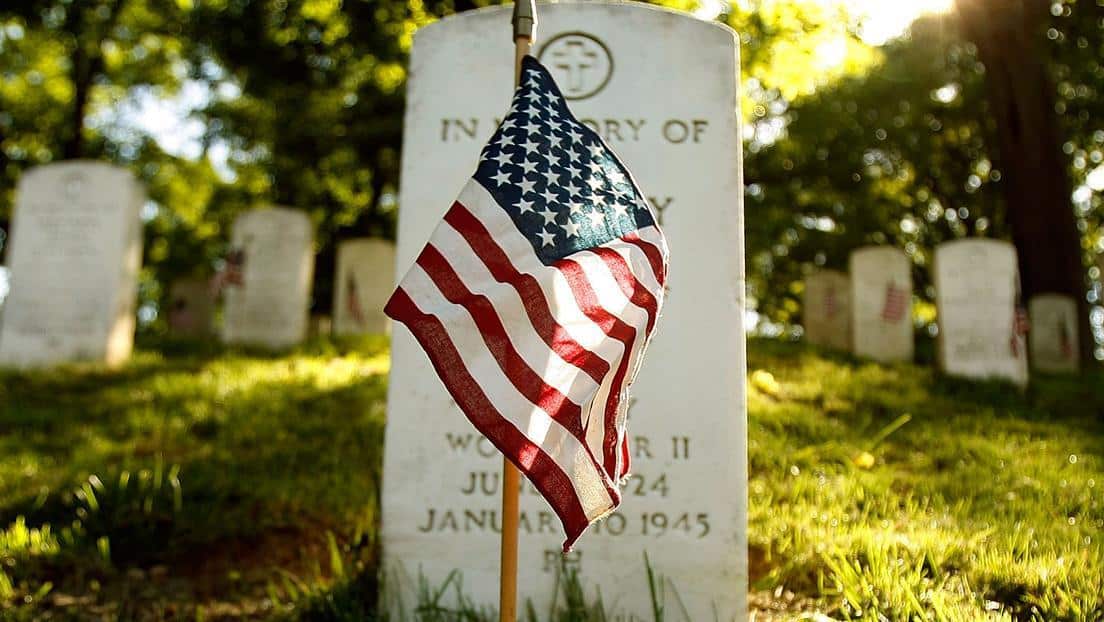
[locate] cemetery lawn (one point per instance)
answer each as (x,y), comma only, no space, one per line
(207,484)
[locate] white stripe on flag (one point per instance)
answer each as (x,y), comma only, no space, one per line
(614,301)
(566,378)
(556,442)
(638,261)
(552,283)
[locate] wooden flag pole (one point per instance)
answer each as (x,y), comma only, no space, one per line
(525,27)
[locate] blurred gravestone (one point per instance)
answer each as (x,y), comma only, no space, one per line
(881,304)
(977,296)
(670,110)
(320,325)
(191,308)
(364,281)
(74,256)
(826,312)
(1054,334)
(270,306)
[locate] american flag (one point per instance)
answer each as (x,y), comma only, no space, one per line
(1021,324)
(896,302)
(1065,343)
(352,301)
(830,301)
(232,272)
(536,297)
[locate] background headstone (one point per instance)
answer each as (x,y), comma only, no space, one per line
(1054,333)
(826,309)
(976,295)
(74,255)
(271,306)
(881,304)
(662,88)
(321,325)
(4,287)
(364,281)
(191,308)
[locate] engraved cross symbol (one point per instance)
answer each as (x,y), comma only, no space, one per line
(575,59)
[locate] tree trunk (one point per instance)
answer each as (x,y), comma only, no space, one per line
(1010,40)
(73,146)
(86,63)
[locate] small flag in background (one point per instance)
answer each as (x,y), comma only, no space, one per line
(1021,324)
(232,272)
(895,305)
(830,306)
(536,297)
(1064,341)
(352,301)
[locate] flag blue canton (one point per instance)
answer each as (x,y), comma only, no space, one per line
(562,186)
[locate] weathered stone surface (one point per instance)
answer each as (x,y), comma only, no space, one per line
(270,308)
(365,279)
(826,312)
(1054,333)
(976,294)
(881,304)
(628,69)
(74,256)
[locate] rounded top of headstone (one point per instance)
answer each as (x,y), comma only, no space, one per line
(826,273)
(287,216)
(1052,298)
(880,251)
(950,255)
(502,14)
(72,175)
(987,244)
(878,256)
(366,243)
(581,43)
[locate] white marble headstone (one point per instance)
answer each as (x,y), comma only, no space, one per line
(881,304)
(976,295)
(271,306)
(74,254)
(826,310)
(1054,335)
(364,281)
(661,87)
(191,308)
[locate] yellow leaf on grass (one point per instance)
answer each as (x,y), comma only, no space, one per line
(863,460)
(764,381)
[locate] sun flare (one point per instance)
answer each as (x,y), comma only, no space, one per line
(882,19)
(887,19)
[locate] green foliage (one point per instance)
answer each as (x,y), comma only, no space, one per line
(898,154)
(847,144)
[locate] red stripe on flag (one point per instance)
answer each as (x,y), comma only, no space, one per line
(654,255)
(528,383)
(626,458)
(536,305)
(615,328)
(545,474)
(632,288)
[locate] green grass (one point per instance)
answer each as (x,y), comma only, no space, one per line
(199,483)
(193,480)
(980,502)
